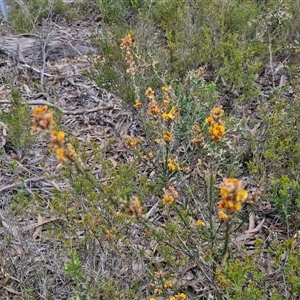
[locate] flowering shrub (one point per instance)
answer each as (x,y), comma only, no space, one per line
(43,120)
(162,218)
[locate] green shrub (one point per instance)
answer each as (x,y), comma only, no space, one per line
(18,122)
(276,159)
(26,15)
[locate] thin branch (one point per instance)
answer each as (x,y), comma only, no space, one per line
(45,43)
(20,183)
(65,112)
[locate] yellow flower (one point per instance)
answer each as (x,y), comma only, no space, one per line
(199,223)
(210,120)
(42,119)
(168,137)
(153,108)
(149,93)
(217,131)
(39,110)
(180,296)
(167,199)
(231,184)
(57,137)
(217,111)
(126,42)
(232,194)
(168,285)
(165,90)
(237,206)
(170,195)
(137,104)
(170,116)
(173,165)
(242,195)
(217,128)
(222,215)
(131,141)
(61,155)
(165,103)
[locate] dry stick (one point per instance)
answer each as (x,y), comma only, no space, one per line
(76,112)
(36,70)
(13,185)
(45,43)
(199,262)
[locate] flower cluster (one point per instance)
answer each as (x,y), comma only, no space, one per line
(130,62)
(166,94)
(233,195)
(217,127)
(180,296)
(173,165)
(168,285)
(163,110)
(63,152)
(137,104)
(133,207)
(199,223)
(154,109)
(126,41)
(198,138)
(168,137)
(43,120)
(170,195)
(129,59)
(169,116)
(132,142)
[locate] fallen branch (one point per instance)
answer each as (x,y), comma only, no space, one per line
(65,112)
(20,183)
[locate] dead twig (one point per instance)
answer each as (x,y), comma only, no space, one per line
(44,54)
(36,70)
(20,183)
(66,112)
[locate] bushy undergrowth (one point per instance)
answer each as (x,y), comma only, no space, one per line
(163,223)
(276,156)
(19,132)
(26,16)
(234,40)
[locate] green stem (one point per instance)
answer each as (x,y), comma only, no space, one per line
(182,218)
(227,238)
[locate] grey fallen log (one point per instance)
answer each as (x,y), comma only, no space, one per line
(30,49)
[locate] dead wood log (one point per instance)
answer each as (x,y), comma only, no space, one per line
(32,49)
